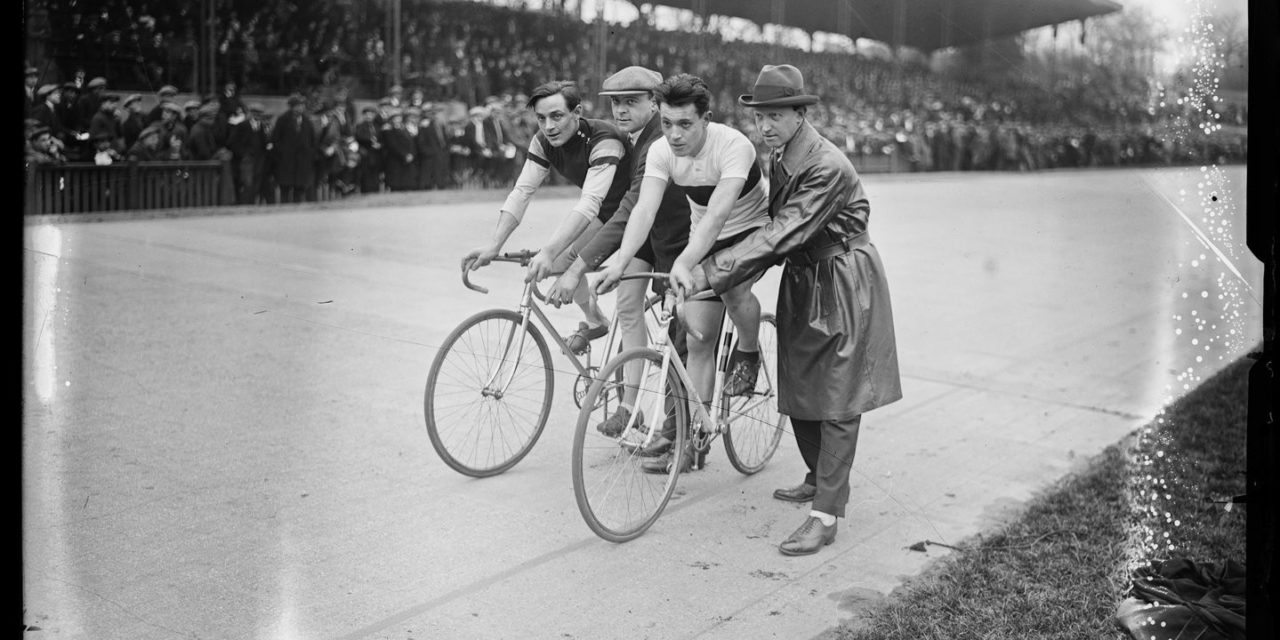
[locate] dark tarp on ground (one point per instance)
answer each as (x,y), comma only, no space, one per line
(1182,599)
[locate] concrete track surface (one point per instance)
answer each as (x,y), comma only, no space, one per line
(223,423)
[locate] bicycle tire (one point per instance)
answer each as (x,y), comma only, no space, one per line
(754,418)
(619,500)
(458,411)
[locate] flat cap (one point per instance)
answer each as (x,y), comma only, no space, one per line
(131,99)
(208,110)
(630,81)
(46,90)
(151,130)
(37,132)
(97,82)
(167,90)
(169,105)
(190,104)
(32,71)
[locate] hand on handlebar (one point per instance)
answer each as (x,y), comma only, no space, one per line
(609,277)
(540,267)
(681,279)
(562,291)
(478,257)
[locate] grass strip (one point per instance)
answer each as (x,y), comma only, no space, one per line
(1059,569)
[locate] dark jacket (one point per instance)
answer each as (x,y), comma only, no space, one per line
(294,150)
(837,355)
(670,231)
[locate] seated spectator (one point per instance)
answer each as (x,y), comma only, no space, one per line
(104,149)
(42,149)
(133,121)
(105,123)
(147,148)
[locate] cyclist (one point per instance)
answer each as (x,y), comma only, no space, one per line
(592,154)
(716,166)
(630,93)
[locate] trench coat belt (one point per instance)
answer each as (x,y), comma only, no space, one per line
(805,257)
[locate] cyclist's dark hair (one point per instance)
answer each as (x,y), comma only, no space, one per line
(682,89)
(572,98)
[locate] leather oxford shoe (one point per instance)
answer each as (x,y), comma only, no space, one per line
(799,493)
(809,538)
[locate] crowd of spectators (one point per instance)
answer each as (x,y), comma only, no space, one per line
(458,117)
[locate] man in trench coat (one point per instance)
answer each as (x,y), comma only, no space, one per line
(837,356)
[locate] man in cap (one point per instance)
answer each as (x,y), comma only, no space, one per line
(294,152)
(401,173)
(32,83)
(164,94)
(630,94)
(368,135)
(90,100)
(837,356)
(202,142)
(170,123)
(149,145)
(105,123)
(190,113)
(592,154)
(716,166)
(432,144)
(133,120)
(247,140)
(480,143)
(46,109)
(42,148)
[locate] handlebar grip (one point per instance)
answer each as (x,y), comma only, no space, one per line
(466,281)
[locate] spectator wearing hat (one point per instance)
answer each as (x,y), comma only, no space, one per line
(106,123)
(432,144)
(400,171)
(104,151)
(70,113)
(332,158)
(132,120)
(148,146)
(395,96)
(46,109)
(202,142)
(503,141)
(32,84)
(90,100)
(483,146)
(42,147)
(247,139)
(171,124)
(837,355)
(293,153)
(368,135)
(167,93)
(190,113)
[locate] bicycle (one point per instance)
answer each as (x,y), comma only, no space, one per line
(618,499)
(489,390)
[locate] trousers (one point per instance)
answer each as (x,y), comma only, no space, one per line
(828,447)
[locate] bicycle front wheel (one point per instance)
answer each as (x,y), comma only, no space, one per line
(618,498)
(489,393)
(754,424)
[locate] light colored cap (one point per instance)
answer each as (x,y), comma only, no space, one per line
(630,81)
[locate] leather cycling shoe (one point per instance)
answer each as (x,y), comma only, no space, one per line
(811,537)
(798,493)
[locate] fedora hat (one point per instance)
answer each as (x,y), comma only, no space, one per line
(630,81)
(778,86)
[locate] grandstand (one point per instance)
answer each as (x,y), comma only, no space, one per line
(889,114)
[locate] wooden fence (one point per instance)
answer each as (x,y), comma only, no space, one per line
(87,188)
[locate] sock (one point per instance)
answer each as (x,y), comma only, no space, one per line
(826,518)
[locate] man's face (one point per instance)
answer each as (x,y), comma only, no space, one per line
(42,142)
(151,141)
(777,125)
(136,106)
(54,97)
(632,112)
(685,130)
(555,120)
(32,79)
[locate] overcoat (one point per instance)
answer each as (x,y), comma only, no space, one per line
(837,355)
(294,150)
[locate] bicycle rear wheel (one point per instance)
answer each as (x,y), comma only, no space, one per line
(754,424)
(618,499)
(488,394)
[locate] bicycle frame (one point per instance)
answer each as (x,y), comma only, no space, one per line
(528,306)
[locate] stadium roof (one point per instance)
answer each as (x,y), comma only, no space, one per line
(926,24)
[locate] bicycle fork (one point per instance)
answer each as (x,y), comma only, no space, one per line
(522,329)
